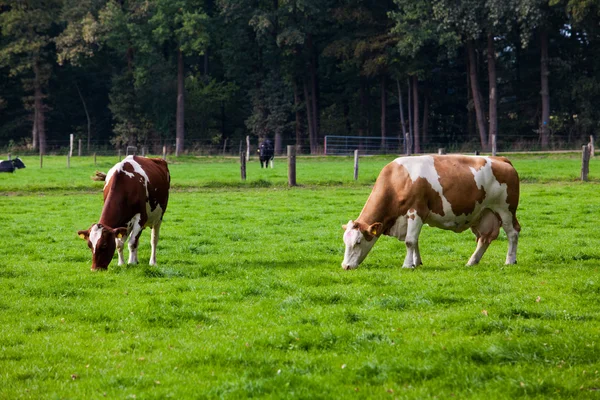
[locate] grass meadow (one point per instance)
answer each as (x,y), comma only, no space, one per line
(249,300)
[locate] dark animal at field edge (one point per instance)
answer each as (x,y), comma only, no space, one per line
(136,192)
(11,165)
(266,153)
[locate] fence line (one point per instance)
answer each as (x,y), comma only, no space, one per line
(228,147)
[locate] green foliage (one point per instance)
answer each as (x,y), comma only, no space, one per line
(126,51)
(249,300)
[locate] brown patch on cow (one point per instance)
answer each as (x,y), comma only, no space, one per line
(428,199)
(458,183)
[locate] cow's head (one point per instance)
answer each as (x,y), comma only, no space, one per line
(17,163)
(359,239)
(102,241)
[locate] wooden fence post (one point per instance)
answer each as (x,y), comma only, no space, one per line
(291,154)
(494,145)
(164,152)
(143,151)
(441,151)
(71,145)
(9,157)
(224,146)
(585,162)
(243,165)
(119,154)
(79,149)
(247,148)
(355,165)
(176,147)
(592,148)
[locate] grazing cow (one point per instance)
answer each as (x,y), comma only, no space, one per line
(136,192)
(11,165)
(451,192)
(266,153)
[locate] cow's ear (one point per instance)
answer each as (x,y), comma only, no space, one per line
(84,234)
(375,229)
(120,232)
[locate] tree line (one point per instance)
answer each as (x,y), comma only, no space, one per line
(480,73)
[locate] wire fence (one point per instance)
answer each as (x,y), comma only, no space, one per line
(329,145)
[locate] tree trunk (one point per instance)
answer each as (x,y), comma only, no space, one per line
(383,109)
(87,116)
(39,118)
(362,117)
(315,91)
(298,123)
(476,92)
(180,123)
(545,92)
(410,124)
(309,120)
(425,133)
(34,131)
(415,87)
(493,105)
(402,122)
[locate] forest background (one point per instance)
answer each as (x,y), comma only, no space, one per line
(202,75)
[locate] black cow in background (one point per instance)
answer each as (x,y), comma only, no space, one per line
(11,165)
(266,153)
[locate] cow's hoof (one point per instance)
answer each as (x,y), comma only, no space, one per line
(408,266)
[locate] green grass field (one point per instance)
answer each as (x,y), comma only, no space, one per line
(249,299)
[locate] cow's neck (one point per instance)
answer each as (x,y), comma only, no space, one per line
(380,207)
(115,213)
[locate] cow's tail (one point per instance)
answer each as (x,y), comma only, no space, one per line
(99,176)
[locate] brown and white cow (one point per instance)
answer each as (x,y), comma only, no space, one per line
(136,192)
(453,192)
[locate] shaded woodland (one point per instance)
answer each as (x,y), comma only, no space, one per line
(202,75)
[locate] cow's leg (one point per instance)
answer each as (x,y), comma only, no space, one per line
(413,257)
(417,255)
(154,242)
(134,241)
(486,231)
(512,228)
(134,238)
(120,244)
(482,246)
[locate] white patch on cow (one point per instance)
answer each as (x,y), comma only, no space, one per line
(137,168)
(154,216)
(424,167)
(357,246)
(134,227)
(398,230)
(95,235)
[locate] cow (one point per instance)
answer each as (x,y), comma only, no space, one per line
(453,192)
(11,165)
(136,192)
(266,153)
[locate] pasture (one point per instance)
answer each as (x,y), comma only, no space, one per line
(249,300)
